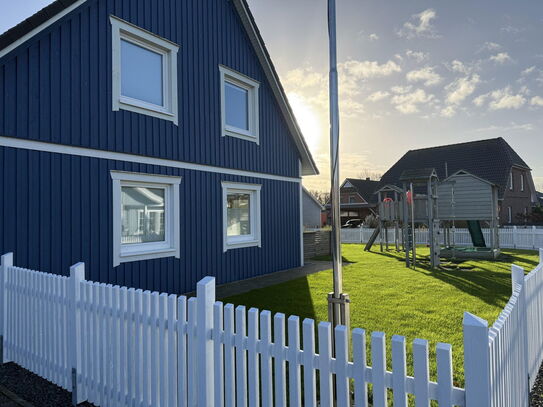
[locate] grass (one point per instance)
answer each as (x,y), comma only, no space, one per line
(386,296)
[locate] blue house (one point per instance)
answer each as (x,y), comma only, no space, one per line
(151,140)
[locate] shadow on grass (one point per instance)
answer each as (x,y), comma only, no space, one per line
(272,298)
(491,286)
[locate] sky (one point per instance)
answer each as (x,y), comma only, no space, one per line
(412,74)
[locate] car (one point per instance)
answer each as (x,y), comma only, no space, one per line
(353,223)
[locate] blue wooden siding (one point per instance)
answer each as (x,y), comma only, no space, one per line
(57,87)
(56,210)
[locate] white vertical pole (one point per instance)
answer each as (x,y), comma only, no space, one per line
(205,299)
(6,261)
(476,361)
(541,256)
(77,275)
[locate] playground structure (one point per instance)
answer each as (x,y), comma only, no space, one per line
(439,205)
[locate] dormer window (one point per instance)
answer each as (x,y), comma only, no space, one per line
(239,105)
(144,71)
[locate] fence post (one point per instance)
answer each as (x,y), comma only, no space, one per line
(541,256)
(6,261)
(205,291)
(77,275)
(517,277)
(514,237)
(476,361)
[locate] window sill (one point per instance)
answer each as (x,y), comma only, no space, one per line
(129,256)
(230,132)
(134,105)
(242,244)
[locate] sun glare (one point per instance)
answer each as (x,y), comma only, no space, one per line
(308,121)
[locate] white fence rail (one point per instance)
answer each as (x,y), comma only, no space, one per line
(115,346)
(510,238)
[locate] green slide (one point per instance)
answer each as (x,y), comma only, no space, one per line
(373,237)
(474,227)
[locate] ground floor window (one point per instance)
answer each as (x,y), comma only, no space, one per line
(145,216)
(241,215)
(509,214)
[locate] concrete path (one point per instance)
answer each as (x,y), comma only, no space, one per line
(240,287)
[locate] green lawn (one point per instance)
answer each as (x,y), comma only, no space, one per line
(386,296)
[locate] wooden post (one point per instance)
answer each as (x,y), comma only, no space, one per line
(205,291)
(540,256)
(517,276)
(77,275)
(6,261)
(476,361)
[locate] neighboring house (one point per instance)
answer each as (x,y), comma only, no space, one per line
(357,199)
(312,210)
(150,140)
(492,160)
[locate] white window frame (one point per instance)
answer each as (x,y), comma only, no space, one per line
(254,239)
(522,182)
(170,247)
(123,30)
(511,180)
(252,86)
(509,214)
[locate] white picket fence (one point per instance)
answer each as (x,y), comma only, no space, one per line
(115,346)
(510,238)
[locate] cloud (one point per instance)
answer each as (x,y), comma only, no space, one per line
(369,69)
(448,111)
(303,78)
(501,58)
(511,127)
(427,75)
(490,46)
(536,101)
(379,95)
(509,29)
(480,100)
(373,37)
(408,103)
(501,99)
(461,88)
(400,89)
(418,56)
(420,25)
(459,66)
(528,71)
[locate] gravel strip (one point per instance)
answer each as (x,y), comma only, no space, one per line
(536,396)
(33,389)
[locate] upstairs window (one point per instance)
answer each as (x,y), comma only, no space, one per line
(144,71)
(511,180)
(241,215)
(522,182)
(239,105)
